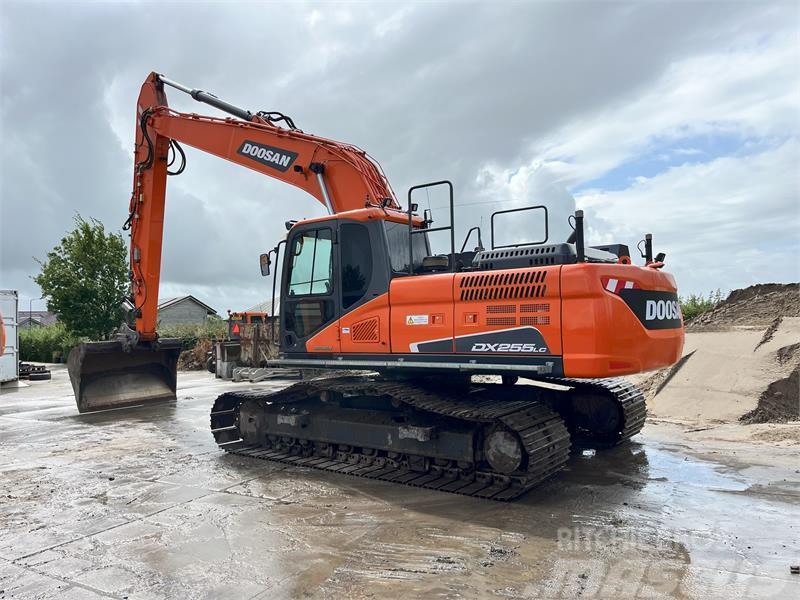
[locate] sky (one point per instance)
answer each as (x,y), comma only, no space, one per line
(681,119)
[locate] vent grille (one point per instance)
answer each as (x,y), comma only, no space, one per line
(501,308)
(534,307)
(366,331)
(534,320)
(501,320)
(527,251)
(535,256)
(503,286)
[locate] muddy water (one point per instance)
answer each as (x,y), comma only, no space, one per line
(140,503)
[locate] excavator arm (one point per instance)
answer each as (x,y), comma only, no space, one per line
(137,366)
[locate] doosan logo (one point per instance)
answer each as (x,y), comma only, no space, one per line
(267,155)
(662,309)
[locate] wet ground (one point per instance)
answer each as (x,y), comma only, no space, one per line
(139,503)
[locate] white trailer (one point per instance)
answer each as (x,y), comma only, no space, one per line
(9,341)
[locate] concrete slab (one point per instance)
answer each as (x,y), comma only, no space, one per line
(140,503)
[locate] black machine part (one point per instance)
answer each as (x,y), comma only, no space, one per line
(490,440)
(538,256)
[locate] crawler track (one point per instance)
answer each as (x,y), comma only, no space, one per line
(544,440)
(542,422)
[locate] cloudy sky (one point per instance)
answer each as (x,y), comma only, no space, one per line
(677,118)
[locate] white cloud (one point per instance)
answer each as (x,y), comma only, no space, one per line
(749,91)
(501,189)
(730,222)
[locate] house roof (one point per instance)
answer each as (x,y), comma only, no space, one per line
(43,317)
(265,307)
(167,302)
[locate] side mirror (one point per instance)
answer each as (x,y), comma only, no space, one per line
(264,259)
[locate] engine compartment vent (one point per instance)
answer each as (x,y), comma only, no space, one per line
(544,320)
(501,320)
(503,286)
(544,307)
(501,308)
(525,256)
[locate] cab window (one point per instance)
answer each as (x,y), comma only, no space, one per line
(397,240)
(312,264)
(356,262)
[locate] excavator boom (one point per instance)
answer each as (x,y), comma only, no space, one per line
(137,366)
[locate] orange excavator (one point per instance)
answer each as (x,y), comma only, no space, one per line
(361,290)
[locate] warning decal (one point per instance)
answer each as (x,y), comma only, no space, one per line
(416,319)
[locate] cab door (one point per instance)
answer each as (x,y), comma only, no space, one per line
(310,301)
(364,322)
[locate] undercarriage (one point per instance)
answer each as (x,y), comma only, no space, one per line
(489,440)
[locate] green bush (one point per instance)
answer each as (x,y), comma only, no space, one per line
(190,334)
(53,343)
(46,344)
(694,305)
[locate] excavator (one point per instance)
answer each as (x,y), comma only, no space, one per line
(425,350)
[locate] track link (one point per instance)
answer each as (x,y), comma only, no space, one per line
(541,433)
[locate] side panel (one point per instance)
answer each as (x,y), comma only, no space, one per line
(514,311)
(602,334)
(422,311)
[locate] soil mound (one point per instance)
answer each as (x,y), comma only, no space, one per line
(779,403)
(741,362)
(756,306)
(195,359)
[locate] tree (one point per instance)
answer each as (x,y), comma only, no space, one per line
(85,279)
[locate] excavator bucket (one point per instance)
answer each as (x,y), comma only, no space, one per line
(107,375)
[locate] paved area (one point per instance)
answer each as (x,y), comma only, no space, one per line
(139,503)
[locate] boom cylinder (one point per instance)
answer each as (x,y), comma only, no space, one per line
(209,98)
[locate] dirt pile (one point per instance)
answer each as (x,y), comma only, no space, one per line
(779,403)
(756,306)
(741,362)
(195,359)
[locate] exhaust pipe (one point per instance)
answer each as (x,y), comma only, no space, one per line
(112,374)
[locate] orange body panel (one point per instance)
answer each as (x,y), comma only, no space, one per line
(421,310)
(366,329)
(496,300)
(602,337)
(327,340)
(592,329)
